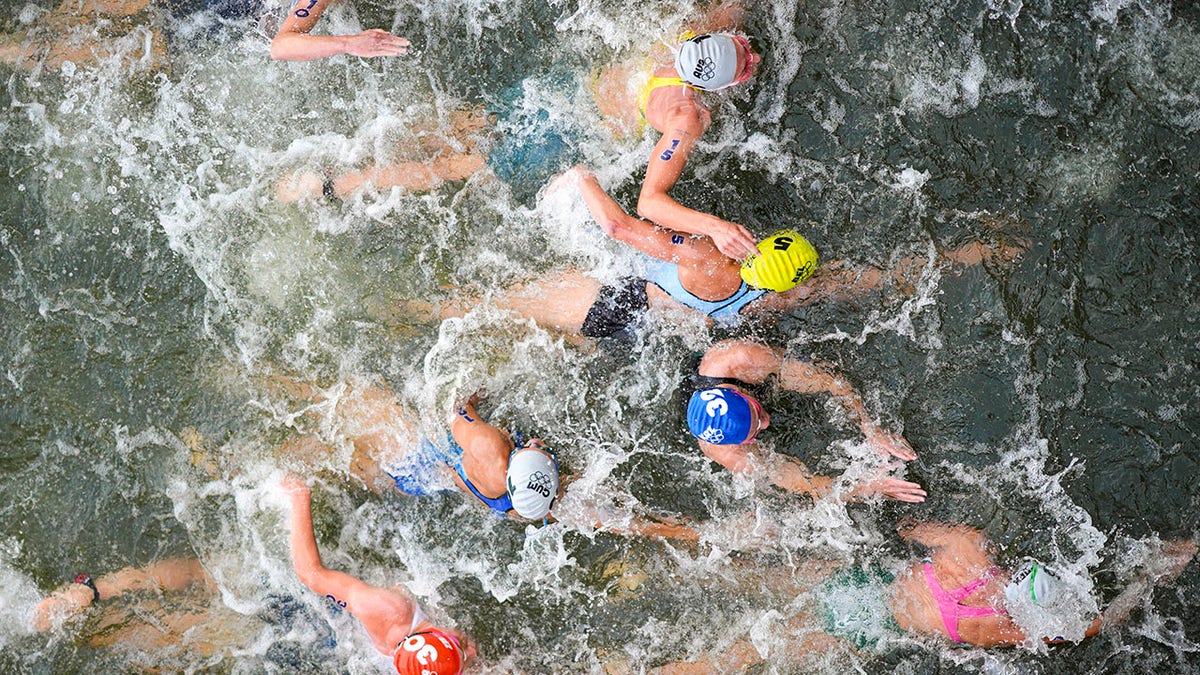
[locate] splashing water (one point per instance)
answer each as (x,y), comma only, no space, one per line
(153,285)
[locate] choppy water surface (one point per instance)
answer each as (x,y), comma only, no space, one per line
(151,285)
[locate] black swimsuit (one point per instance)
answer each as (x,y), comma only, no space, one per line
(616,307)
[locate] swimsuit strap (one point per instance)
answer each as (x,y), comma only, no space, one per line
(962,592)
(653,83)
(948,601)
(501,504)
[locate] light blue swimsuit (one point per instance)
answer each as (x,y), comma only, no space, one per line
(665,275)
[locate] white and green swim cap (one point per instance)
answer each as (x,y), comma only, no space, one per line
(1034,583)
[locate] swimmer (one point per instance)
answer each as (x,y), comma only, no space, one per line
(477,458)
(294,41)
(436,155)
(688,272)
(628,98)
(69,33)
(726,416)
(167,615)
(956,593)
(176,574)
(399,629)
(519,481)
(669,100)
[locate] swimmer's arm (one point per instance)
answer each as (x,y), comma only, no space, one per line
(469,429)
(294,43)
(782,471)
(306,557)
(666,165)
(750,362)
(465,412)
(652,526)
(663,244)
(938,535)
(791,475)
(371,605)
(725,16)
(824,285)
(1172,558)
(167,575)
(808,378)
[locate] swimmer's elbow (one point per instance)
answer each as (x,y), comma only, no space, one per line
(309,570)
(304,573)
(312,576)
(612,226)
(278,51)
(286,48)
(649,204)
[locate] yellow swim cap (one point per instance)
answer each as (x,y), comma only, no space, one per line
(784,259)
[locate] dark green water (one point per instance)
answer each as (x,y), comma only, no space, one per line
(149,283)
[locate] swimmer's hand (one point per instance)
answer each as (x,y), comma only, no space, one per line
(376,42)
(295,487)
(60,606)
(888,443)
(733,240)
(892,488)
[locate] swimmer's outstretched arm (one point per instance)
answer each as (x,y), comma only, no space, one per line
(753,362)
(166,575)
(784,472)
(384,612)
(790,474)
(723,16)
(808,377)
(660,527)
(294,43)
(1167,565)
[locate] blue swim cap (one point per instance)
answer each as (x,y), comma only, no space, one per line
(719,416)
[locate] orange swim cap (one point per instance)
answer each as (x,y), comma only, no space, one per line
(429,652)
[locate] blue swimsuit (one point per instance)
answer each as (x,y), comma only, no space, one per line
(419,473)
(619,305)
(665,275)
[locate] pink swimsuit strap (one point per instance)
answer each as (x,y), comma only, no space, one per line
(949,602)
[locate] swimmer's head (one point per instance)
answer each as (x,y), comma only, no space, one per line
(429,651)
(784,260)
(716,61)
(1032,583)
(725,416)
(1056,606)
(532,480)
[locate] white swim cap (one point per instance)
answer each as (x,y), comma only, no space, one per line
(532,481)
(708,62)
(1034,583)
